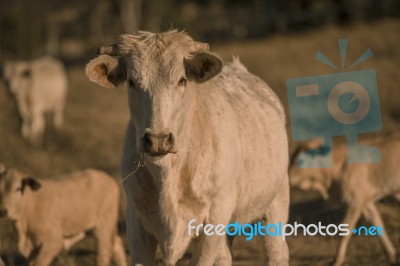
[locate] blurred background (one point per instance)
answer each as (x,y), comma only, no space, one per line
(276,40)
(70,29)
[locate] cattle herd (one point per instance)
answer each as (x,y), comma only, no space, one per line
(206,141)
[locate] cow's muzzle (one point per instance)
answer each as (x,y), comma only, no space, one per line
(157,144)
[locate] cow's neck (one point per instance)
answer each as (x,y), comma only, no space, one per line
(185,183)
(23,208)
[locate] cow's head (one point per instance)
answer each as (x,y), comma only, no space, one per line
(17,76)
(160,70)
(13,191)
(305,171)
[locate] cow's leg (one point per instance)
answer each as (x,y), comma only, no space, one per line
(224,257)
(371,213)
(37,127)
(24,244)
(119,252)
(22,105)
(275,247)
(58,115)
(352,215)
(26,128)
(142,246)
(105,233)
(49,249)
(207,250)
(70,241)
(224,254)
(209,247)
(104,248)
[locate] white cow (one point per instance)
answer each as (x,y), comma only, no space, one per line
(362,184)
(212,140)
(53,214)
(39,86)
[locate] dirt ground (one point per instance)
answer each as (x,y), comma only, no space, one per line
(96,118)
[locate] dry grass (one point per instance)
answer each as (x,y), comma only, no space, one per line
(96,120)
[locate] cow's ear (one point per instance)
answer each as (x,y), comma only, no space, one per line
(202,67)
(108,71)
(30,182)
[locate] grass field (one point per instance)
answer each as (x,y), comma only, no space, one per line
(96,118)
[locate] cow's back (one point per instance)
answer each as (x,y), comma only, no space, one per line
(260,139)
(375,179)
(76,202)
(49,82)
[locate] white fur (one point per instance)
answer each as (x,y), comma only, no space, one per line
(232,152)
(55,216)
(44,90)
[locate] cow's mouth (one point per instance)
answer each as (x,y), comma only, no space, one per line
(161,160)
(157,154)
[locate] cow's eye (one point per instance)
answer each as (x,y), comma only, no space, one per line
(182,81)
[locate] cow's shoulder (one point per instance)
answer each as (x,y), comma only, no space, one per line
(242,85)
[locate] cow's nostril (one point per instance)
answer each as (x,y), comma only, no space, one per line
(157,143)
(170,139)
(167,141)
(147,141)
(3,213)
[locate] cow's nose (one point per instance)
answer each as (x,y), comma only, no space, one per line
(158,144)
(3,212)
